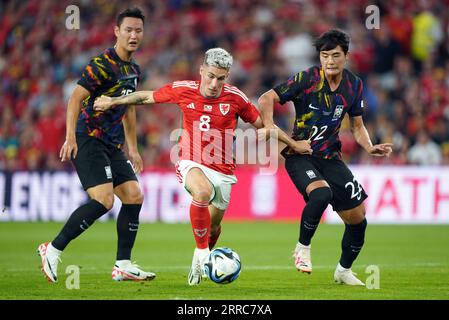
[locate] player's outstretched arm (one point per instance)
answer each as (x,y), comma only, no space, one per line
(104,103)
(300,146)
(362,137)
(266,105)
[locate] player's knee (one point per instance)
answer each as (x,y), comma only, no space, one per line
(135,197)
(138,198)
(107,200)
(357,217)
(202,194)
(323,195)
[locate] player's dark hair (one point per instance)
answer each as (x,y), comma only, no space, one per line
(132,13)
(331,39)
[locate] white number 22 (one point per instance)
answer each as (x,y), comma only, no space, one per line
(317,135)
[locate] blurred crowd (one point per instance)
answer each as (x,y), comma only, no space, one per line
(404,64)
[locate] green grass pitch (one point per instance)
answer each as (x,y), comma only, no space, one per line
(413,262)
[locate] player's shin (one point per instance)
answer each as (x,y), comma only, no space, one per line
(81,219)
(127,227)
(352,243)
(200,220)
(318,200)
(214,235)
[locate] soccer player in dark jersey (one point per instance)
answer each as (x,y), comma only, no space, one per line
(322,96)
(94,142)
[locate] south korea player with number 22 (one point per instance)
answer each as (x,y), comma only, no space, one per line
(322,96)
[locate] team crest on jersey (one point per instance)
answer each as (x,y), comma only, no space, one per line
(311,174)
(224,108)
(337,113)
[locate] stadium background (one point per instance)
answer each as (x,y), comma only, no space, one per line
(405,67)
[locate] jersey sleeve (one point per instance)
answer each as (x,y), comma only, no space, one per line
(248,111)
(357,107)
(94,75)
(166,94)
(288,90)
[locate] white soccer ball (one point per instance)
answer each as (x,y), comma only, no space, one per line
(223,265)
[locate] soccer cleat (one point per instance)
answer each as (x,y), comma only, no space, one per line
(303,262)
(50,260)
(127,271)
(197,272)
(346,276)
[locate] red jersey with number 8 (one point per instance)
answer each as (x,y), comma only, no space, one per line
(208,124)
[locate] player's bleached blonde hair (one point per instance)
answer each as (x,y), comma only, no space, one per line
(219,58)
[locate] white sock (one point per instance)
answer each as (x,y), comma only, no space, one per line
(53,250)
(202,254)
(122,263)
(303,246)
(340,268)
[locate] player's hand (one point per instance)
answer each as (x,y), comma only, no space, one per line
(264,134)
(381,150)
(136,161)
(102,103)
(302,147)
(69,150)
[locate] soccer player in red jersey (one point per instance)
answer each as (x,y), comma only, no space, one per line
(210,109)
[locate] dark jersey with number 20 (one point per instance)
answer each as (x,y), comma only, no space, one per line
(107,75)
(320,111)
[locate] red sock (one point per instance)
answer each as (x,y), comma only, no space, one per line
(200,220)
(213,238)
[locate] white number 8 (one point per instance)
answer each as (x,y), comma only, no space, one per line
(204,123)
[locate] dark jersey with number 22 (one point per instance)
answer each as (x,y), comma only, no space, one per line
(320,111)
(107,75)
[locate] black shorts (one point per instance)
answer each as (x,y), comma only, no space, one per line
(98,163)
(347,193)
